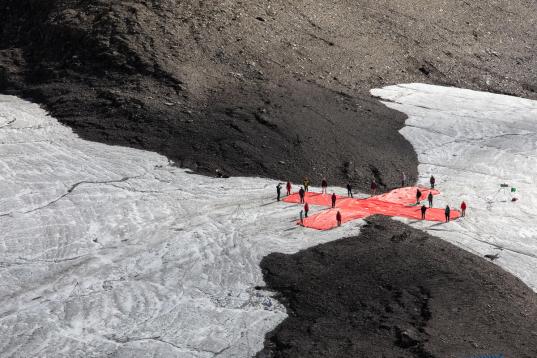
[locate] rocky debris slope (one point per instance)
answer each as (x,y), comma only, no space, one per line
(268,88)
(397,295)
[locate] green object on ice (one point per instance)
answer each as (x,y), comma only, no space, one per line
(513,190)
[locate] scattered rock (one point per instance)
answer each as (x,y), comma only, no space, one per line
(406,338)
(492,257)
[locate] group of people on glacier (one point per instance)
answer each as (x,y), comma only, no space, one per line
(447,210)
(374,187)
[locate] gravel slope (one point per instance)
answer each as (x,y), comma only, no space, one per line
(266,88)
(397,295)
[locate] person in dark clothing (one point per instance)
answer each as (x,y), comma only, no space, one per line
(430,198)
(288,186)
(306,209)
(349,190)
(463,209)
(302,217)
(301,194)
(278,190)
(418,196)
(423,210)
(432,180)
(374,187)
(333,200)
(324,186)
(338,218)
(448,213)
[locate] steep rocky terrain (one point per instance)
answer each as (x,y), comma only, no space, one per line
(270,88)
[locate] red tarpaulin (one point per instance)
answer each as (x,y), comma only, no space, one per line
(399,202)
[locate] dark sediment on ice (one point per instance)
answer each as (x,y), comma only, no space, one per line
(266,88)
(394,291)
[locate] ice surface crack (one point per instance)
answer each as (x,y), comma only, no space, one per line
(9,123)
(125,340)
(69,191)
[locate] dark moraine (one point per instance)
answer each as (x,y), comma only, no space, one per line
(266,88)
(394,291)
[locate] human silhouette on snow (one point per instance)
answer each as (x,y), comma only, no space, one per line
(301,194)
(423,210)
(324,186)
(306,209)
(432,180)
(448,213)
(288,187)
(333,200)
(349,190)
(463,208)
(338,218)
(278,191)
(418,196)
(306,183)
(430,198)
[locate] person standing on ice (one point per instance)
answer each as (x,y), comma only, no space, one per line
(302,217)
(338,218)
(301,194)
(463,209)
(418,196)
(403,179)
(423,210)
(374,187)
(333,200)
(288,186)
(306,183)
(430,198)
(324,186)
(448,213)
(432,180)
(278,190)
(306,209)
(349,190)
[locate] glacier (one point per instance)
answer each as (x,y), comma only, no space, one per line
(107,250)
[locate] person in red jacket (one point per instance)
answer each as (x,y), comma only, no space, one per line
(338,218)
(463,209)
(324,185)
(288,186)
(374,187)
(306,209)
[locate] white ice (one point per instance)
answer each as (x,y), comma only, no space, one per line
(472,142)
(111,251)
